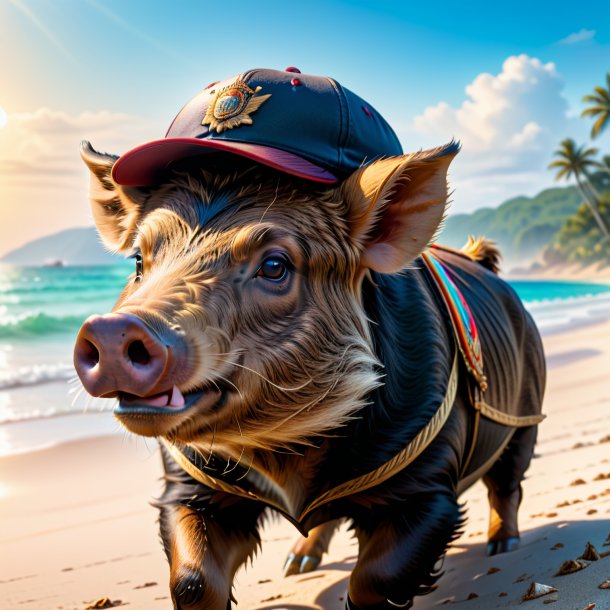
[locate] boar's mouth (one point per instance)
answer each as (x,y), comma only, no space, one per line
(170,402)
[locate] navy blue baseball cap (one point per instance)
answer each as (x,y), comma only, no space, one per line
(303,125)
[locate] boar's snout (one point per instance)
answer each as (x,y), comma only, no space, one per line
(117,353)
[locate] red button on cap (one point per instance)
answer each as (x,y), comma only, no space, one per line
(293,69)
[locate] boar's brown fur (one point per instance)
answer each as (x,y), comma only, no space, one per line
(193,233)
(318,376)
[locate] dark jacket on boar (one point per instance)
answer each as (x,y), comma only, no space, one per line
(293,347)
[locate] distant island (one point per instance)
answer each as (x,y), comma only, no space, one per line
(554,227)
(78,246)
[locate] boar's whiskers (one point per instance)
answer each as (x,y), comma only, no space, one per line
(275,385)
(229,382)
(230,362)
(211,449)
(74,381)
(78,390)
(305,407)
(243,449)
(277,189)
(202,434)
(241,434)
(243,476)
(316,400)
(236,420)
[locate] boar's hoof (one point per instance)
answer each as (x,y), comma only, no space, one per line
(188,589)
(495,547)
(300,564)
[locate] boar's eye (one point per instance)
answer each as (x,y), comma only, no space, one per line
(139,266)
(273,268)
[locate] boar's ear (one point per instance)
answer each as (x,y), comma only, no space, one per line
(116,209)
(396,206)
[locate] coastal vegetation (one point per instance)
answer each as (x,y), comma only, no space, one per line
(585,235)
(522,226)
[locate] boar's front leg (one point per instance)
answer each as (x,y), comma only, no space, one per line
(204,553)
(397,553)
(207,536)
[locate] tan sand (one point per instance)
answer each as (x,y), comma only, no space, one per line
(75,524)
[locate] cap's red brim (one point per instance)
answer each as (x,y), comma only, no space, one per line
(144,164)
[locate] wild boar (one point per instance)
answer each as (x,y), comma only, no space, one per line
(295,346)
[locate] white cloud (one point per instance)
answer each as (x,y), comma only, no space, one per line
(581,36)
(43,182)
(509,125)
(43,145)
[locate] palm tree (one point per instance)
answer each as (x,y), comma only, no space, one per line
(575,161)
(600,108)
(604,164)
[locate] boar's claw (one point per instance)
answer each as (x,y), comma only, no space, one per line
(292,565)
(495,547)
(300,564)
(309,563)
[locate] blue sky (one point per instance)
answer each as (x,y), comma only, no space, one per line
(117,71)
(145,57)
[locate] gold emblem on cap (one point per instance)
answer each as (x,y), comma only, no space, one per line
(232,107)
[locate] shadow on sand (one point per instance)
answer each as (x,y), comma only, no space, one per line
(467,573)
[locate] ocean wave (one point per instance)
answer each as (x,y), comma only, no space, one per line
(37,374)
(556,315)
(34,415)
(86,285)
(54,298)
(76,280)
(600,299)
(557,292)
(29,325)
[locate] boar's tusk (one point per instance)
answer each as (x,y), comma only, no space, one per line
(177,399)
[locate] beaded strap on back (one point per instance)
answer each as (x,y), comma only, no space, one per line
(461,317)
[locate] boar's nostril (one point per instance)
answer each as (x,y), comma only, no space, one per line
(89,353)
(138,353)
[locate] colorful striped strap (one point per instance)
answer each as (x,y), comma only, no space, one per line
(461,317)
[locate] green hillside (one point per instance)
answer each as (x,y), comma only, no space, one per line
(523,227)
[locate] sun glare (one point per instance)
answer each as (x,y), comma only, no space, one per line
(2,118)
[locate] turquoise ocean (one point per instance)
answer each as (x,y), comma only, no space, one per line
(41,310)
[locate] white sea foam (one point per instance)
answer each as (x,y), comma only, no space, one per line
(35,375)
(558,315)
(48,400)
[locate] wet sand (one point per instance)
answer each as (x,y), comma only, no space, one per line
(75,524)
